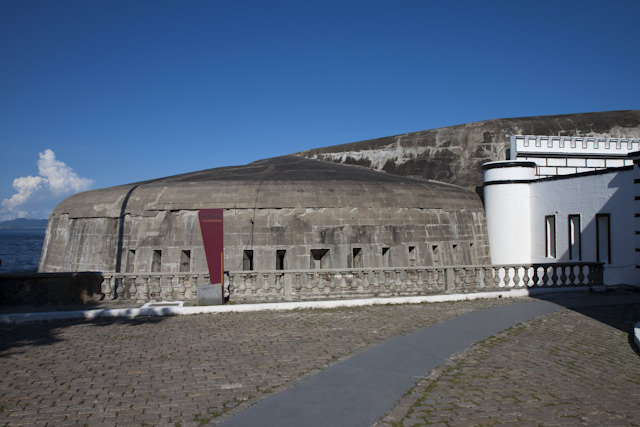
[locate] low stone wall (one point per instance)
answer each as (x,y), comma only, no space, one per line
(301,285)
(50,288)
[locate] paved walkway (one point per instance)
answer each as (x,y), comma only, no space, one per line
(204,369)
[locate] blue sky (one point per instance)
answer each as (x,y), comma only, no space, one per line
(101,93)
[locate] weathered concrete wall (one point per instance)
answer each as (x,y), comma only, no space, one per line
(300,206)
(455,154)
(411,236)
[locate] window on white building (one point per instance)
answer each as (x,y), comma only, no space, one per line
(603,238)
(575,246)
(550,236)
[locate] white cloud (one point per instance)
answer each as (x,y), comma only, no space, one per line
(36,195)
(61,178)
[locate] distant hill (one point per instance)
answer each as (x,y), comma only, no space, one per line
(22,223)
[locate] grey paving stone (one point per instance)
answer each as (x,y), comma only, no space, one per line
(175,367)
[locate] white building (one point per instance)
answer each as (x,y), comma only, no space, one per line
(567,199)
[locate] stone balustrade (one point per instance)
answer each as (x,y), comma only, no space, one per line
(300,285)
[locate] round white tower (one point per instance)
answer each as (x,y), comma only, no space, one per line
(507,205)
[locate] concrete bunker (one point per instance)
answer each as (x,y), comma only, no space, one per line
(286,213)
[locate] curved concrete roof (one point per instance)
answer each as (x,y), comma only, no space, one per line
(455,154)
(281,182)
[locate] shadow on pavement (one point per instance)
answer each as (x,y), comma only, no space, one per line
(24,335)
(618,308)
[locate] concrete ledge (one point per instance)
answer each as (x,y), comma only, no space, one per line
(174,308)
(636,335)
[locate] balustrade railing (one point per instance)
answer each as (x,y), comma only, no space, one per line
(298,285)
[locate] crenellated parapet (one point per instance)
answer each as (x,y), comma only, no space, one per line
(565,155)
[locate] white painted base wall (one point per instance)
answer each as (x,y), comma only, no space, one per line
(516,212)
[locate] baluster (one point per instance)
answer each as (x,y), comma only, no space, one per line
(590,276)
(515,282)
(131,291)
(572,275)
(554,277)
(458,280)
(526,278)
(401,282)
(105,286)
(375,284)
(326,283)
(502,273)
(266,284)
(310,278)
(249,284)
(536,277)
(297,285)
(473,278)
(563,275)
(144,289)
(440,279)
(394,285)
(420,279)
(242,284)
(356,281)
(157,288)
(342,282)
(180,288)
(277,280)
(546,279)
(114,286)
(388,282)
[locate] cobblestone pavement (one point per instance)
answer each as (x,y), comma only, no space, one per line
(186,370)
(568,367)
(565,368)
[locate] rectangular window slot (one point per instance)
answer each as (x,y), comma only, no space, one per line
(386,257)
(156,261)
(247,260)
(435,254)
(412,256)
(550,236)
(575,246)
(319,258)
(357,257)
(131,261)
(280,258)
(185,261)
(603,238)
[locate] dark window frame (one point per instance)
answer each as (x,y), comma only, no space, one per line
(608,216)
(281,255)
(247,260)
(156,261)
(550,219)
(578,236)
(356,257)
(185,255)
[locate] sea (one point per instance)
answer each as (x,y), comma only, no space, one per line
(20,249)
